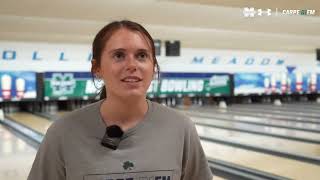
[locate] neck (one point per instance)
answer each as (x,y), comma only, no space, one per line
(125,113)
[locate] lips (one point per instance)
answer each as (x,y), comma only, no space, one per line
(131,79)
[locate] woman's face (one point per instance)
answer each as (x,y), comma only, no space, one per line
(127,66)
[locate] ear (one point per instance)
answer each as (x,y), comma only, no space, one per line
(155,71)
(95,68)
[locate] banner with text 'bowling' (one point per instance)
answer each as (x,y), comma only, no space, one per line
(191,84)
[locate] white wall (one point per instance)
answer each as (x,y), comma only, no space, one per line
(77,58)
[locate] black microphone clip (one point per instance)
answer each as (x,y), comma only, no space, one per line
(112,137)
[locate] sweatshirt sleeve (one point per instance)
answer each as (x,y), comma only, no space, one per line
(49,164)
(194,163)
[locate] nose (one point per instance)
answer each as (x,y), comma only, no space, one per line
(131,64)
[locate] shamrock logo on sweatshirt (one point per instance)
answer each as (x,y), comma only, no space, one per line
(128,165)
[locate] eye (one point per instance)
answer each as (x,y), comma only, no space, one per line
(118,56)
(142,56)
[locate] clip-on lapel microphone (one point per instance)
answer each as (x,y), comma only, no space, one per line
(112,137)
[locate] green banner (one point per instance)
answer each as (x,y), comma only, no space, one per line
(216,85)
(68,86)
(71,85)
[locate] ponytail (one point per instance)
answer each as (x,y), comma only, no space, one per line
(103,93)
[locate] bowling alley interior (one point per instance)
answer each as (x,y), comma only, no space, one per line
(246,73)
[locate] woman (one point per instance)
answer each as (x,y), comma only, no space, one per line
(123,136)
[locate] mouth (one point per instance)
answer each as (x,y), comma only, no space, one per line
(131,79)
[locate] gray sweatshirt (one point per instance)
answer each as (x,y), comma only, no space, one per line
(163,146)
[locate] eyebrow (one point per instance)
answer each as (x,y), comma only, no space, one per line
(119,49)
(142,49)
(122,49)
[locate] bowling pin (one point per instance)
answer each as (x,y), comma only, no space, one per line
(1,115)
(169,101)
(277,102)
(200,102)
(283,82)
(299,82)
(222,104)
(266,85)
(20,87)
(163,102)
(313,82)
(289,85)
(273,83)
(174,102)
(6,81)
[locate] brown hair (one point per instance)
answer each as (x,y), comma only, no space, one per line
(104,35)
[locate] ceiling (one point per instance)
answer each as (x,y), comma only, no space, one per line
(212,24)
(281,4)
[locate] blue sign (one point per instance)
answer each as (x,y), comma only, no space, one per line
(249,83)
(318,83)
(17,85)
(260,83)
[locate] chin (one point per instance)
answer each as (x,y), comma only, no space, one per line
(134,95)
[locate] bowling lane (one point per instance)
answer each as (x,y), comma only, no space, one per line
(34,122)
(53,115)
(284,108)
(224,115)
(257,113)
(215,110)
(283,145)
(261,129)
(311,106)
(290,113)
(217,178)
(16,156)
(61,113)
(263,162)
